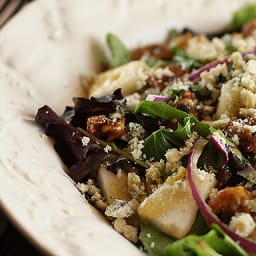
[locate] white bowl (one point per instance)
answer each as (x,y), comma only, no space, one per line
(44,51)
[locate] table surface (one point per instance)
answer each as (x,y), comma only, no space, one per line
(12,243)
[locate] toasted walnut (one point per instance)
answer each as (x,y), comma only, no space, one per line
(170,73)
(159,51)
(244,131)
(187,102)
(182,40)
(128,231)
(249,28)
(101,126)
(230,200)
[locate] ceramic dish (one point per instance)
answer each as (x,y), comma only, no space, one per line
(44,51)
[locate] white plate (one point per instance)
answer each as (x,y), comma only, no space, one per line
(44,50)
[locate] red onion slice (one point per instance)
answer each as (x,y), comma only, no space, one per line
(206,211)
(196,74)
(157,98)
(220,144)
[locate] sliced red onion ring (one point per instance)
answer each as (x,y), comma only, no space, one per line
(220,144)
(196,74)
(154,97)
(206,211)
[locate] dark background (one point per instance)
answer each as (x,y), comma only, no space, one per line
(13,243)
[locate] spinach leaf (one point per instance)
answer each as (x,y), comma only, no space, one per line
(153,240)
(178,137)
(200,226)
(156,145)
(230,48)
(183,60)
(242,16)
(161,140)
(215,243)
(119,54)
(162,110)
(174,94)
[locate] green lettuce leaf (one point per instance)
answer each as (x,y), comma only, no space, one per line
(161,140)
(119,53)
(183,60)
(242,16)
(153,240)
(156,145)
(162,110)
(178,137)
(216,242)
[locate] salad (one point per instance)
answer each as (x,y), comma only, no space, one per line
(164,146)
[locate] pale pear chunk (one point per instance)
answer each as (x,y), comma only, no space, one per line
(113,186)
(129,77)
(171,208)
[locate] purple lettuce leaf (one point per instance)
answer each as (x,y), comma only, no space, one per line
(83,107)
(82,161)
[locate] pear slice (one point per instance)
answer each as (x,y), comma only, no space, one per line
(113,186)
(129,77)
(171,208)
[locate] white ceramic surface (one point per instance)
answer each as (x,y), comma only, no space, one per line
(44,51)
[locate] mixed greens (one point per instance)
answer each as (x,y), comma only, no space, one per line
(165,144)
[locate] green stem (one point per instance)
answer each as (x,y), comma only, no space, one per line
(114,148)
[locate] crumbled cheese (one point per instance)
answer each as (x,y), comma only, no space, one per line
(114,116)
(229,101)
(251,67)
(136,147)
(189,143)
(135,130)
(132,100)
(244,44)
(241,126)
(128,231)
(85,140)
(221,123)
(149,235)
(43,136)
(83,188)
(179,85)
(121,209)
(248,99)
(247,81)
(107,149)
(152,244)
(209,78)
(247,112)
(136,187)
(173,155)
(199,47)
(160,72)
(205,177)
(237,61)
(236,139)
(219,45)
(172,167)
(94,194)
(243,224)
(154,174)
(251,204)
